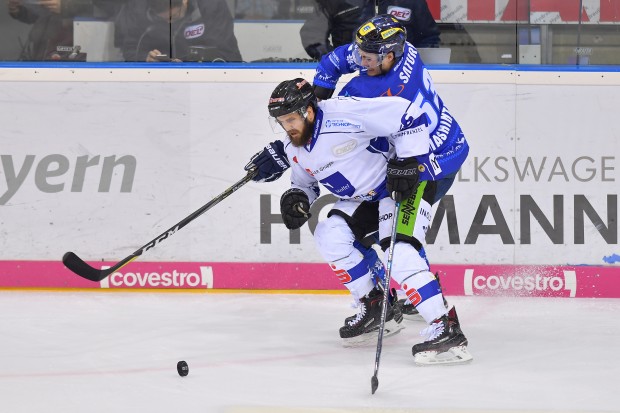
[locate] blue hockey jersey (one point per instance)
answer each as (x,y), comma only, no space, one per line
(409,79)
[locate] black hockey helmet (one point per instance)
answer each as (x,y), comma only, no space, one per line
(291,96)
(380,35)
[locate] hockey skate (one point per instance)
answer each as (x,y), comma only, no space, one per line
(445,343)
(363,328)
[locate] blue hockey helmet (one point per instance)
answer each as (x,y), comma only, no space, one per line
(380,35)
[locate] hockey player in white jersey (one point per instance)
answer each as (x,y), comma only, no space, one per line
(362,150)
(388,65)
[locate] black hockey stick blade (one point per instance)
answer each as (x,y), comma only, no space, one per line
(84,270)
(81,268)
(374,383)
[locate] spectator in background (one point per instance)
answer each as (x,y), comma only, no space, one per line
(415,16)
(107,9)
(256,9)
(338,20)
(177,30)
(335,19)
(52,24)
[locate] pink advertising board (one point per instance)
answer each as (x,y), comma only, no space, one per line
(476,280)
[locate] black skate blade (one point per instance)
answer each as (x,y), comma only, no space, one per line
(374,384)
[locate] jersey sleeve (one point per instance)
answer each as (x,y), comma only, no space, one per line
(333,65)
(300,178)
(404,124)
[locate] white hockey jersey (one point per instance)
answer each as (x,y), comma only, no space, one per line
(352,140)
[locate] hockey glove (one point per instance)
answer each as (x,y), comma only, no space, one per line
(402,177)
(317,50)
(270,163)
(295,208)
(323,93)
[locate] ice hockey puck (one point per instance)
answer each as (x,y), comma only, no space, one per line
(182,368)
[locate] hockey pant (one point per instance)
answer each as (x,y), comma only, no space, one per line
(337,239)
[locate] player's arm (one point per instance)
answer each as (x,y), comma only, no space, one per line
(330,68)
(295,203)
(412,141)
(406,127)
(270,163)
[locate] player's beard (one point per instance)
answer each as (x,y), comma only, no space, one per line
(302,137)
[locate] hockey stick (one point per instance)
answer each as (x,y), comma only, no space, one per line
(374,381)
(81,268)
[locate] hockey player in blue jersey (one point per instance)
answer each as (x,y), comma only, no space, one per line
(362,150)
(388,66)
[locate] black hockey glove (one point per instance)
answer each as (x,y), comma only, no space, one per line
(323,93)
(270,163)
(402,177)
(317,50)
(295,208)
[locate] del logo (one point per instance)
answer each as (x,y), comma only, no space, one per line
(400,13)
(191,32)
(529,284)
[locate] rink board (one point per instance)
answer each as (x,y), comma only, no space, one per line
(100,159)
(484,280)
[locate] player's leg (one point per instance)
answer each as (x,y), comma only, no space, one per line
(406,307)
(445,342)
(335,238)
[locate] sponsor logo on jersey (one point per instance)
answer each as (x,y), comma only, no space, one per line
(399,89)
(192,32)
(335,123)
(321,169)
(432,159)
(385,217)
(344,148)
(407,210)
(401,13)
(333,57)
(371,196)
(323,76)
(342,275)
(412,294)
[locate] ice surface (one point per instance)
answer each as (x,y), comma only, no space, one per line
(108,352)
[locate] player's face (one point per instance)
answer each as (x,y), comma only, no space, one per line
(370,61)
(298,127)
(375,64)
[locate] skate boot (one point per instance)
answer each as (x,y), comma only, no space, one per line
(408,309)
(398,315)
(445,343)
(363,328)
